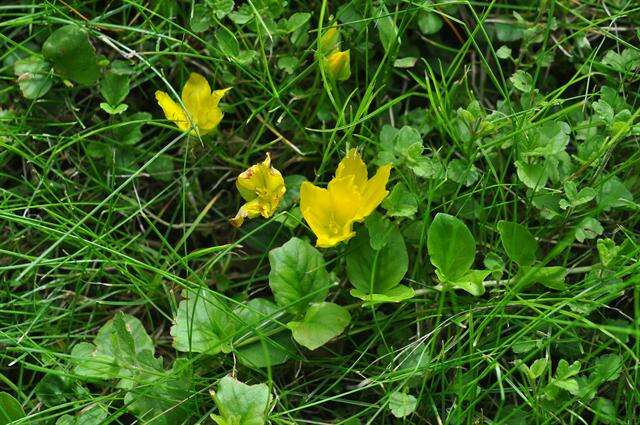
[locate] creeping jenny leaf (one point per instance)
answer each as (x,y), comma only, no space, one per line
(203,324)
(321,323)
(518,243)
(298,276)
(402,404)
(121,350)
(240,404)
(72,55)
(451,246)
(33,76)
(373,271)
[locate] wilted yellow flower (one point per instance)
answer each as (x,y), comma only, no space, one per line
(349,197)
(338,65)
(262,186)
(329,41)
(201,106)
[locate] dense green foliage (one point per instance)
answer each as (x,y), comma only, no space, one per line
(496,283)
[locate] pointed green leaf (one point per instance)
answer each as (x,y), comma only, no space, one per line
(452,248)
(10,409)
(518,243)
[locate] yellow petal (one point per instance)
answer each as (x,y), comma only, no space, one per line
(196,94)
(201,104)
(251,209)
(173,111)
(353,165)
(330,212)
(329,40)
(263,186)
(374,192)
(337,65)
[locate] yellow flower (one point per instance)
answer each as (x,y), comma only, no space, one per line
(201,106)
(349,197)
(337,65)
(262,186)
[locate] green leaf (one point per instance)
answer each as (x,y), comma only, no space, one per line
(574,197)
(408,62)
(613,194)
(322,322)
(377,271)
(96,414)
(167,399)
(203,323)
(402,404)
(113,110)
(288,63)
(565,370)
(298,276)
(393,295)
(221,7)
(522,81)
(472,281)
(495,264)
(605,411)
(608,367)
(548,140)
(518,243)
(588,228)
(72,55)
(451,246)
(296,21)
(121,350)
(129,132)
(538,368)
(227,42)
(379,229)
(241,404)
(271,344)
(200,18)
(504,52)
(533,175)
(552,277)
(33,76)
(462,172)
(54,389)
(429,23)
(387,29)
(10,409)
(161,168)
(114,88)
(607,250)
(400,202)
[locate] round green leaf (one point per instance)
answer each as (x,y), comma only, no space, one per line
(72,55)
(451,246)
(298,276)
(377,271)
(321,323)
